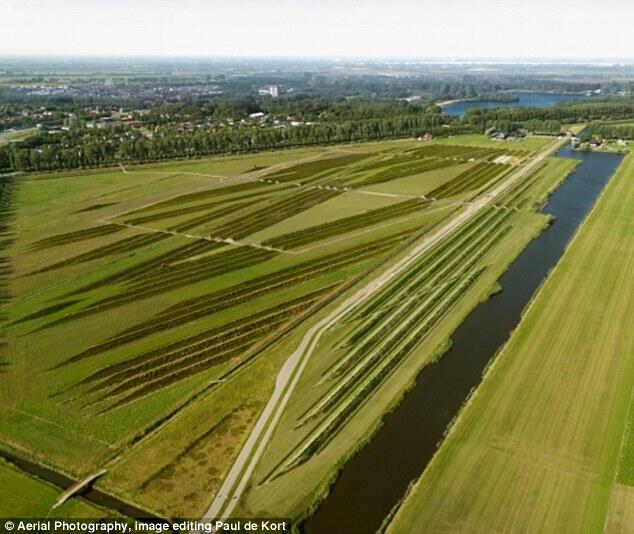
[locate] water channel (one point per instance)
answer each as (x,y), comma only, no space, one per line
(377,477)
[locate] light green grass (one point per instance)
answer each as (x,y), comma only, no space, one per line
(531,143)
(538,445)
(421,184)
(344,205)
(19,135)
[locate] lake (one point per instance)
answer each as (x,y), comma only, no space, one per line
(529,100)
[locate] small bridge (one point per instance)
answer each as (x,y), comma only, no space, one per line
(77,488)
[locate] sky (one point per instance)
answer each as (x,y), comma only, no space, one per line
(407,29)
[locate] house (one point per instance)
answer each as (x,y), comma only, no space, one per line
(596,143)
(426,137)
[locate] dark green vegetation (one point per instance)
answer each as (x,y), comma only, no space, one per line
(611,129)
(82,148)
(74,135)
(549,120)
(78,114)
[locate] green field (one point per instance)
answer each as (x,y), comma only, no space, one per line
(527,143)
(545,444)
(24,496)
(149,308)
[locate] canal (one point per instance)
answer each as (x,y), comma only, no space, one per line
(377,477)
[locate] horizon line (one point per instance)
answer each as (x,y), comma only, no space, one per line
(308,58)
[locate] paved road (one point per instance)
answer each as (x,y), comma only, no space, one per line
(288,377)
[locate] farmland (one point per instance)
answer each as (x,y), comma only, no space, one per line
(545,443)
(376,350)
(148,309)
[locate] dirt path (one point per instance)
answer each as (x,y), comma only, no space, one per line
(290,373)
(227,241)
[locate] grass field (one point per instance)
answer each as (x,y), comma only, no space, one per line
(148,309)
(545,444)
(528,143)
(23,496)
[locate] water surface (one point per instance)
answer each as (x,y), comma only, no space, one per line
(529,100)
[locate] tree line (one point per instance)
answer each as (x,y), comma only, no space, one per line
(95,148)
(572,112)
(611,131)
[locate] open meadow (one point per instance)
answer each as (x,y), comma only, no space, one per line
(148,309)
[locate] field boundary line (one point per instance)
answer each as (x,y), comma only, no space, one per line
(210,238)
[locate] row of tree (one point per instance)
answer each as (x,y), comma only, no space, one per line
(93,149)
(611,131)
(481,119)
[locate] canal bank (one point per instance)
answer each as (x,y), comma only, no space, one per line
(377,477)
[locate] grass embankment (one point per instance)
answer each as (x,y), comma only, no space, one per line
(542,445)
